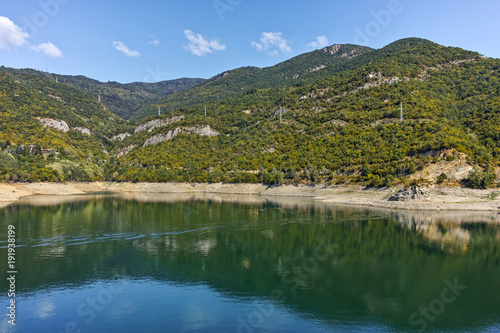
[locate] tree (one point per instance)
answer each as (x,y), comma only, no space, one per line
(480,179)
(278,176)
(442,178)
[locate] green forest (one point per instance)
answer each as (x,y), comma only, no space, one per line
(330,116)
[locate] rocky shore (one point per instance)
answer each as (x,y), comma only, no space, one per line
(429,198)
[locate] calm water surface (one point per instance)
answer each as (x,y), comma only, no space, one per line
(165,263)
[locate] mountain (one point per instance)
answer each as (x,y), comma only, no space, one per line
(332,116)
(301,69)
(121,99)
(342,125)
(51,131)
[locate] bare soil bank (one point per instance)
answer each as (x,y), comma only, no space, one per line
(439,198)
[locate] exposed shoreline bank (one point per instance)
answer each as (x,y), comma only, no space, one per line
(439,198)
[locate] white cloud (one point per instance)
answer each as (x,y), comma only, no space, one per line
(11,35)
(154,42)
(274,53)
(274,42)
(320,42)
(200,46)
(48,49)
(120,46)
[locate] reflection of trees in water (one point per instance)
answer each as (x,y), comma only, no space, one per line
(380,263)
(451,231)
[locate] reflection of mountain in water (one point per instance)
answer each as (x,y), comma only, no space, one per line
(330,263)
(449,230)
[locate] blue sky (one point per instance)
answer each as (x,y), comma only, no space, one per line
(150,40)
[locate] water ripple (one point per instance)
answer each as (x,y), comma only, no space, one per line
(63,240)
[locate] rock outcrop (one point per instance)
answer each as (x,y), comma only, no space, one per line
(159,138)
(450,162)
(124,151)
(83,130)
(410,194)
(157,123)
(60,125)
(203,131)
(120,137)
(332,49)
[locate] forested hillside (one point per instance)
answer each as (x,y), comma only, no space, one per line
(332,115)
(305,68)
(122,99)
(51,131)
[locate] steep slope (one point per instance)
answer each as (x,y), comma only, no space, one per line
(125,99)
(343,126)
(296,122)
(52,131)
(299,70)
(121,99)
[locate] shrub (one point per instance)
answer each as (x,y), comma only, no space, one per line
(442,178)
(389,180)
(480,179)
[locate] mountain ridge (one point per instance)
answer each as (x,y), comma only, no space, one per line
(231,82)
(121,98)
(299,70)
(337,121)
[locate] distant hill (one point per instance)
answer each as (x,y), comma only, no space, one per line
(298,71)
(121,99)
(301,69)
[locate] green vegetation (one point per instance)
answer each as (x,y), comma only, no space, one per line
(268,83)
(32,152)
(442,178)
(493,195)
(480,179)
(339,121)
(121,99)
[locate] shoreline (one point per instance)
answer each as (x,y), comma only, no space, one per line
(439,199)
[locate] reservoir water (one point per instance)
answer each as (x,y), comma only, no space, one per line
(187,263)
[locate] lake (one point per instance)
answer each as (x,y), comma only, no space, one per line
(200,263)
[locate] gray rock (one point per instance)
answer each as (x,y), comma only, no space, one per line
(159,138)
(410,194)
(120,137)
(157,123)
(60,125)
(83,130)
(124,151)
(203,131)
